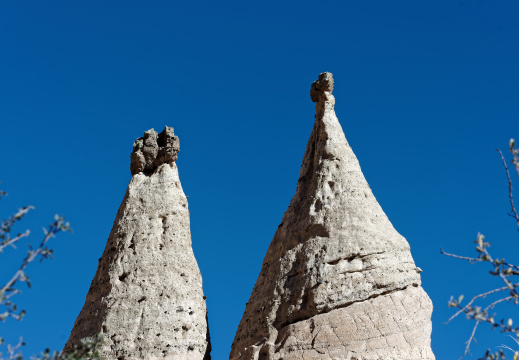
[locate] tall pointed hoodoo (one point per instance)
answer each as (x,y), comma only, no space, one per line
(146,297)
(338,281)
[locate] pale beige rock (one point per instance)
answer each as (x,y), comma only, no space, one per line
(146,297)
(338,281)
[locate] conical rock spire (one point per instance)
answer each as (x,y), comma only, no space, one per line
(338,281)
(146,297)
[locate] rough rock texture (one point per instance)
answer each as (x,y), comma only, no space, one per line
(153,150)
(146,296)
(338,281)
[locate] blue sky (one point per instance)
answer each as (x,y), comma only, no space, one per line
(425,92)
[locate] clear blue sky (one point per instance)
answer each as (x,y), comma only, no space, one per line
(425,92)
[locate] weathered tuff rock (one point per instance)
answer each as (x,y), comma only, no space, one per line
(146,297)
(153,150)
(338,281)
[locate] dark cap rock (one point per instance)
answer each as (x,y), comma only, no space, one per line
(153,150)
(322,84)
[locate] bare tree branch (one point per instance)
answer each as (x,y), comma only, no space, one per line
(469,341)
(476,309)
(466,307)
(12,241)
(8,289)
(510,189)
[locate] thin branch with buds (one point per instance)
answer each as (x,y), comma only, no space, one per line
(8,290)
(14,351)
(510,189)
(87,347)
(469,341)
(501,269)
(468,306)
(5,228)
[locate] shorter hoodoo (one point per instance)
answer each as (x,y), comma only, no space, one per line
(146,297)
(338,281)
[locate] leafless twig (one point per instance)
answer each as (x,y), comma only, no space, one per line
(466,307)
(8,290)
(510,189)
(469,341)
(14,351)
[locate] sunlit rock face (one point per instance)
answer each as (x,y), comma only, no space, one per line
(338,281)
(146,297)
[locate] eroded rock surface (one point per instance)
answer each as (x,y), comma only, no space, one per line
(146,297)
(153,150)
(338,281)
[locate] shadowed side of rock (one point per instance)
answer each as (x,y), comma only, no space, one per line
(338,281)
(146,297)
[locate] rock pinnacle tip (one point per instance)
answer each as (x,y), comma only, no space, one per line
(323,84)
(153,150)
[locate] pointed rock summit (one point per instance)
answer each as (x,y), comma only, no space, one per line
(338,281)
(146,297)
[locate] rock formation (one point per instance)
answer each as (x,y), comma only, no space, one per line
(146,297)
(338,281)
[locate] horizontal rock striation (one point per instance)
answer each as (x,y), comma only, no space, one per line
(338,281)
(146,297)
(395,326)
